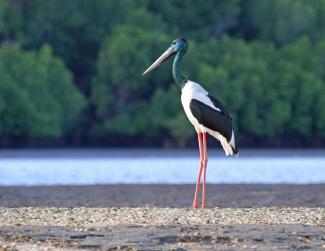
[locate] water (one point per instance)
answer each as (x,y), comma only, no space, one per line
(87,167)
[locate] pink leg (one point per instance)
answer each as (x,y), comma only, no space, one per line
(205,163)
(199,136)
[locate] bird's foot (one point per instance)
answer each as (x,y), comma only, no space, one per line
(194,205)
(204,205)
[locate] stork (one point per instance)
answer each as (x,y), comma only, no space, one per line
(206,113)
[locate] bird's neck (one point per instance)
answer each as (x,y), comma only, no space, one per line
(179,79)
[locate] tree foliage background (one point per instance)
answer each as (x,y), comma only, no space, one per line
(70,71)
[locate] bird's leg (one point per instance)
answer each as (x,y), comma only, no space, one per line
(205,163)
(199,137)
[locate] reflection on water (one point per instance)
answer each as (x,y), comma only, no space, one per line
(54,167)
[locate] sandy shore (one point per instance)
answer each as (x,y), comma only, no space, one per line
(163,228)
(163,196)
(94,217)
(157,217)
(164,237)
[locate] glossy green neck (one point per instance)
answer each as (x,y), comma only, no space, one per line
(179,79)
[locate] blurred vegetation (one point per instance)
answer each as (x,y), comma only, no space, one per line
(70,71)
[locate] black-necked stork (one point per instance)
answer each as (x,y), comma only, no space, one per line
(206,113)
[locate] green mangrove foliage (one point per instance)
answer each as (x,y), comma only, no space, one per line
(37,94)
(70,71)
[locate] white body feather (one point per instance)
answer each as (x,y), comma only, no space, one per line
(192,90)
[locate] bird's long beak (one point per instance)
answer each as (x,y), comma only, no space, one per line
(167,54)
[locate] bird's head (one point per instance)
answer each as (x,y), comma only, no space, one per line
(179,45)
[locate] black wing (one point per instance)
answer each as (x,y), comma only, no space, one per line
(219,105)
(219,121)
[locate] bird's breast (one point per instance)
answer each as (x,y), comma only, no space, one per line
(187,95)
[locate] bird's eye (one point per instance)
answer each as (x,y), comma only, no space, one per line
(174,42)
